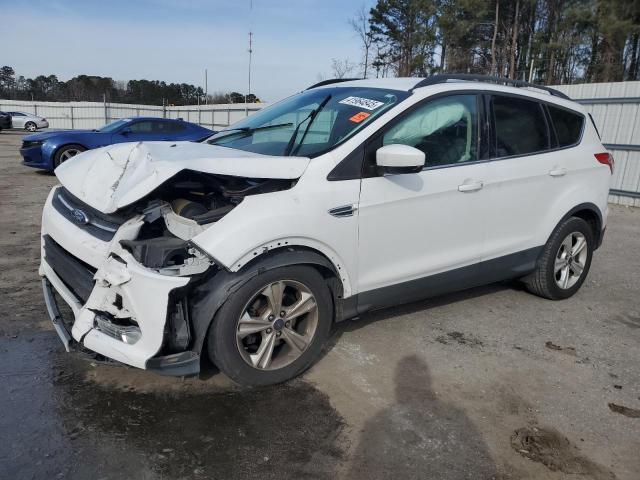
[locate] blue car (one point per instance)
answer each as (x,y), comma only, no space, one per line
(47,150)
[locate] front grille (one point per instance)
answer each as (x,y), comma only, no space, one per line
(98,224)
(76,275)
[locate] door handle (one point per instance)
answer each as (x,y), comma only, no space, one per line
(558,172)
(343,211)
(470,186)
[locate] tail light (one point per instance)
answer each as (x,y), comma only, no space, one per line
(605,159)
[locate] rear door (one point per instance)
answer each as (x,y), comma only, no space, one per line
(414,226)
(526,174)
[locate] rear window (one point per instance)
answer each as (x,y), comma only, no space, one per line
(568,125)
(520,125)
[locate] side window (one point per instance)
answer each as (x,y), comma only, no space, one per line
(173,127)
(568,125)
(142,127)
(446,130)
(520,126)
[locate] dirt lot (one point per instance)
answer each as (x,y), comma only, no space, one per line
(488,383)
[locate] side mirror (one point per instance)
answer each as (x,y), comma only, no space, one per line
(397,159)
(126,131)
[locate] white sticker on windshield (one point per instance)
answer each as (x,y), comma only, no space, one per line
(360,102)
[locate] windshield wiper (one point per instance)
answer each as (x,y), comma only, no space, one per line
(248,130)
(311,117)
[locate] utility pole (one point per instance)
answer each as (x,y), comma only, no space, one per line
(206,88)
(250,52)
(246,111)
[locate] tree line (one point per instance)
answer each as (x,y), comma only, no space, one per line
(92,88)
(543,41)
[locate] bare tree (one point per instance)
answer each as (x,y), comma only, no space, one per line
(514,42)
(493,40)
(360,25)
(341,68)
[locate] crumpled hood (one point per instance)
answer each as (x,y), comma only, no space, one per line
(113,177)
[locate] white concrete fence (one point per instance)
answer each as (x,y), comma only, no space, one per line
(615,108)
(89,115)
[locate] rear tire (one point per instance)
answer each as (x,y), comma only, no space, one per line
(565,261)
(260,337)
(66,152)
(30,127)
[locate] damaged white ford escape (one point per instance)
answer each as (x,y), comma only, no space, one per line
(349,196)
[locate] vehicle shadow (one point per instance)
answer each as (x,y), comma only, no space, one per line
(420,436)
(391,313)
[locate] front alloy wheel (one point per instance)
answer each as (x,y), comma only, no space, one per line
(69,153)
(277,325)
(30,127)
(273,326)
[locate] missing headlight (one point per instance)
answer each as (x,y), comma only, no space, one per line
(168,255)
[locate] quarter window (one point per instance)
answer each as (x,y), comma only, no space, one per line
(446,130)
(568,125)
(520,126)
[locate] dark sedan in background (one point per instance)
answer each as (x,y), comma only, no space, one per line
(5,121)
(47,150)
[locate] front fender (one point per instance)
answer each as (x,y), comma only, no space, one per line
(296,217)
(50,147)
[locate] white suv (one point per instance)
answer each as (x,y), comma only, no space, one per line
(349,196)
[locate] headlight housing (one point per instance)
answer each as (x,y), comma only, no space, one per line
(32,143)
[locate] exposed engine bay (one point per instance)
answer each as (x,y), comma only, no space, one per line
(182,208)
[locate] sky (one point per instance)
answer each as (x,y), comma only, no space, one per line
(174,41)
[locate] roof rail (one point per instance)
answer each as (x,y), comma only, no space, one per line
(435,79)
(332,80)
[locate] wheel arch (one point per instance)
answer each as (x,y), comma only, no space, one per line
(591,214)
(56,148)
(211,292)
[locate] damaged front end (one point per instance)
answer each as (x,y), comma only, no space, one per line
(129,275)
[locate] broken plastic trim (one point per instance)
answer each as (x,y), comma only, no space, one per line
(168,255)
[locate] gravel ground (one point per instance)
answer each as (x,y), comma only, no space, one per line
(487,383)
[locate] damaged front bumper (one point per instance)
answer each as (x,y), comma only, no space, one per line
(121,309)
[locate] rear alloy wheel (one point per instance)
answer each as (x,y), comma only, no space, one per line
(273,327)
(67,152)
(30,127)
(565,261)
(571,260)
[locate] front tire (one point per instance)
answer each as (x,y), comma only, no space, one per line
(565,261)
(66,152)
(273,327)
(30,127)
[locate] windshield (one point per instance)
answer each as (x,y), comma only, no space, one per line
(309,123)
(113,126)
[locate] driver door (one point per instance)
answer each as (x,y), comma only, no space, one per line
(142,131)
(423,233)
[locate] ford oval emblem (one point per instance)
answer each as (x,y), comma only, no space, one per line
(79,216)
